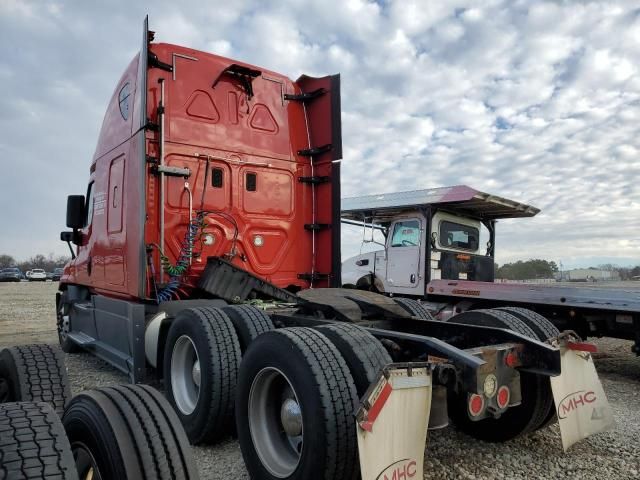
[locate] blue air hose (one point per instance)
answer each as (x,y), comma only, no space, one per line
(176,272)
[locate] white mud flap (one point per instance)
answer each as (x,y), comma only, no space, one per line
(581,403)
(392,424)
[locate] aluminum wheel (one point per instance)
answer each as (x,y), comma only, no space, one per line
(275,422)
(185,375)
(63,324)
(64,327)
(86,465)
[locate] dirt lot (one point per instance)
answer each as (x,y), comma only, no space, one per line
(27,316)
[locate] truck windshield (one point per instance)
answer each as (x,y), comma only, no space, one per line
(459,236)
(406,234)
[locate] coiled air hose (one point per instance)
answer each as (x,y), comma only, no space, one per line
(195,230)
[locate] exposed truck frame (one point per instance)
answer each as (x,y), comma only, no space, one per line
(460,277)
(215,188)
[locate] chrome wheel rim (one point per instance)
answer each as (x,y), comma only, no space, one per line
(64,328)
(185,375)
(63,324)
(275,422)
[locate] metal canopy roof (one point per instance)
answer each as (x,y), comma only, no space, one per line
(460,198)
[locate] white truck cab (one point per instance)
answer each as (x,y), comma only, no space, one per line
(429,235)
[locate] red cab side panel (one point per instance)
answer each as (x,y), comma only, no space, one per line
(108,257)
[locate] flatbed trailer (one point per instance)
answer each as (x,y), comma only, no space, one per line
(439,260)
(590,311)
(207,258)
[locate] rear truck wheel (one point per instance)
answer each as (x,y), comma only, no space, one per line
(294,408)
(33,444)
(125,432)
(63,323)
(34,373)
(414,308)
(370,283)
(249,322)
(544,330)
(537,400)
(364,354)
(201,361)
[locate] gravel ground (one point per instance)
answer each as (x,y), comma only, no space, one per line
(27,315)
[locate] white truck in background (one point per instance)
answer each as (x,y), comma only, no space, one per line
(432,251)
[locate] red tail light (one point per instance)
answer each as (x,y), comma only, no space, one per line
(503,397)
(476,404)
(511,359)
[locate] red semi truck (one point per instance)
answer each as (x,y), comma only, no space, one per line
(214,188)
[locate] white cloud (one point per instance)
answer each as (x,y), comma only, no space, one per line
(538,101)
(16,8)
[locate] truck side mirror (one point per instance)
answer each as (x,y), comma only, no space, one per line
(75,211)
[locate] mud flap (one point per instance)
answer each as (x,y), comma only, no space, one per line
(392,424)
(581,403)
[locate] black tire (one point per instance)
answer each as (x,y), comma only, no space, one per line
(537,399)
(545,330)
(414,307)
(323,388)
(34,373)
(33,444)
(249,322)
(364,354)
(494,318)
(128,431)
(542,327)
(216,344)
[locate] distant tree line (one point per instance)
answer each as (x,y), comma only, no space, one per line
(529,269)
(47,263)
(537,268)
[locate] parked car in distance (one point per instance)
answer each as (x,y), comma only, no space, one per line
(37,275)
(11,275)
(57,273)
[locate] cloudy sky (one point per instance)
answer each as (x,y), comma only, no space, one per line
(535,101)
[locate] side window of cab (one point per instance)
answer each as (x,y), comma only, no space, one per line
(456,235)
(406,233)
